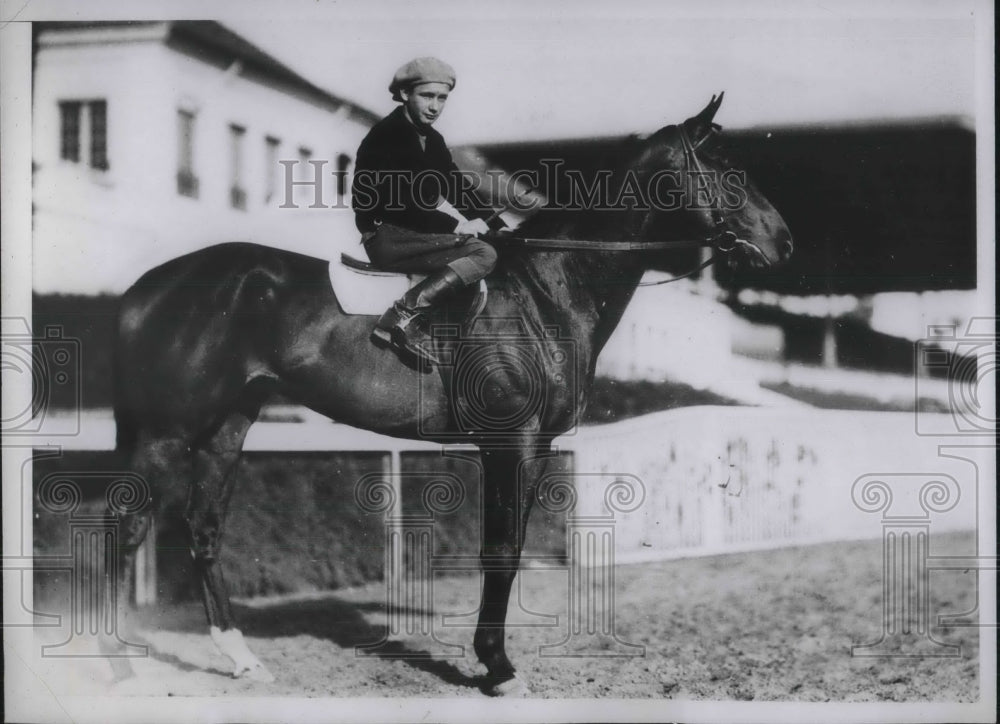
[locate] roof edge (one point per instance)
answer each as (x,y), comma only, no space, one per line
(943,121)
(209,34)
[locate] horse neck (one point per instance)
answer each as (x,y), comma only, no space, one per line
(586,292)
(609,280)
(583,293)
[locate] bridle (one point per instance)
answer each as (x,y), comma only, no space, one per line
(722,240)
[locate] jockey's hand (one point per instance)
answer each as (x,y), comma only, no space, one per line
(472,227)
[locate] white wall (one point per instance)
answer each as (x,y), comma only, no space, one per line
(672,331)
(97,231)
(911,314)
(724,479)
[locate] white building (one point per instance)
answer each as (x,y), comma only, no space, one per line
(152,139)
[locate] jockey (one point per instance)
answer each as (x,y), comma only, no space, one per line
(404,180)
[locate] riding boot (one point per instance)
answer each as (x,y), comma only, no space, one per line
(403,325)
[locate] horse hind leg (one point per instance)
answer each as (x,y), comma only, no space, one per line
(117,639)
(133,502)
(215,464)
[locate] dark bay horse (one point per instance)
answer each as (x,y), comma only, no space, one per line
(206,338)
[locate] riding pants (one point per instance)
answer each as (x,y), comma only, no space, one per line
(394,248)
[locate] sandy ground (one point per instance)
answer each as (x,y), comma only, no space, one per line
(765,626)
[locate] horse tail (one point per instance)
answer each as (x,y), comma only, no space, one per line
(126,425)
(126,432)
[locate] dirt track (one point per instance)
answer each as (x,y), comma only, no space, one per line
(775,625)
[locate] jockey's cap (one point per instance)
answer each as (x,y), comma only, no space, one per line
(421,70)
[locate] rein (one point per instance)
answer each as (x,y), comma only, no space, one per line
(581,245)
(723,241)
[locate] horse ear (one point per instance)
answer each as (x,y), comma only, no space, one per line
(700,124)
(708,112)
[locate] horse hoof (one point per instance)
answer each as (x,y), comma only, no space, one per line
(512,687)
(245,664)
(121,670)
(124,685)
(256,672)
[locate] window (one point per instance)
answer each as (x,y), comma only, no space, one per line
(237,194)
(99,134)
(305,154)
(69,113)
(303,174)
(83,132)
(187,181)
(343,164)
(271,146)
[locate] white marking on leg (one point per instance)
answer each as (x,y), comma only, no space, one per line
(230,643)
(515,687)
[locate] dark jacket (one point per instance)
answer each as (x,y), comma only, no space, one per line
(399,182)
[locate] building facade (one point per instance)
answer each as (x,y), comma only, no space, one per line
(154,139)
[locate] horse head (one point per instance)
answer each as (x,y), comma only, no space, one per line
(719,202)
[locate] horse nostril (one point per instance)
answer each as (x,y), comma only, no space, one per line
(786,249)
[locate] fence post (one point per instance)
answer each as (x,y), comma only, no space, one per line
(391,467)
(145,568)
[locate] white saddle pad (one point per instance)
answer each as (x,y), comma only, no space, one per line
(360,293)
(367,293)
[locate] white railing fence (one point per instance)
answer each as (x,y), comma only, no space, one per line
(726,479)
(695,481)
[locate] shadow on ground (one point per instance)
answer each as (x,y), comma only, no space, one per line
(340,621)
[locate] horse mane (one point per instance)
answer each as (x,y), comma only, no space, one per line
(557,222)
(638,155)
(547,269)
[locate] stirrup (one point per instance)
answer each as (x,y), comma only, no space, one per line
(389,321)
(391,331)
(420,349)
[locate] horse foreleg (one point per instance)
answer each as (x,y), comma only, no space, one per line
(511,476)
(214,474)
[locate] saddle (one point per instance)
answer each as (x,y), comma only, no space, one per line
(385,287)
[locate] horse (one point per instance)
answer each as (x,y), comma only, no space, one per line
(205,339)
